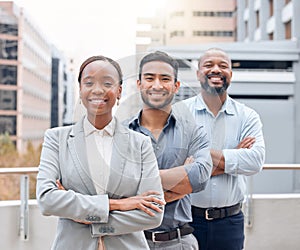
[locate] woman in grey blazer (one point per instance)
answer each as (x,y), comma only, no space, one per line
(100,178)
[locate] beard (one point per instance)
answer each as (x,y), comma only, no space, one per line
(214,90)
(156,105)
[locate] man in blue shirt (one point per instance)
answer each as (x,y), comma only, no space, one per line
(237,150)
(175,137)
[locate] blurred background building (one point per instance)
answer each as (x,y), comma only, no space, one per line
(33,79)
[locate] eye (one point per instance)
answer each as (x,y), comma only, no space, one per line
(166,79)
(108,84)
(223,66)
(149,78)
(207,65)
(88,83)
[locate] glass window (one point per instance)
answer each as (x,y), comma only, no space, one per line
(8,49)
(8,75)
(8,124)
(10,29)
(8,100)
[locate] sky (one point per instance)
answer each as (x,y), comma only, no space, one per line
(83,28)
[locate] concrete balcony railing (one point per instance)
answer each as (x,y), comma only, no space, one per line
(272,221)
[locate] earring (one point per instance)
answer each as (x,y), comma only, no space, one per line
(80,101)
(118,102)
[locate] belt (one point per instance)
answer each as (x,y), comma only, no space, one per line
(216,213)
(169,235)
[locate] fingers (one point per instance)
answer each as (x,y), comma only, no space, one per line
(188,160)
(148,208)
(59,185)
(246,142)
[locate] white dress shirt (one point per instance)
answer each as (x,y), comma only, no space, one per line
(234,122)
(99,150)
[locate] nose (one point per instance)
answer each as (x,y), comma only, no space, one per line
(98,88)
(156,83)
(216,69)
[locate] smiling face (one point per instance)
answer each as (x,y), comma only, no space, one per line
(214,72)
(157,84)
(99,89)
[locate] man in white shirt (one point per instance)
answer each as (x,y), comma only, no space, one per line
(237,150)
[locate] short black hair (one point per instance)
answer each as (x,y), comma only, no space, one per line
(162,57)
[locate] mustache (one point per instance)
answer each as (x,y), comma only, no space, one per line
(218,75)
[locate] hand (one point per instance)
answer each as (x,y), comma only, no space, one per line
(217,171)
(61,187)
(246,142)
(172,196)
(144,202)
(188,160)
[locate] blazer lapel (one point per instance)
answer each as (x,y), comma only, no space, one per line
(77,146)
(119,153)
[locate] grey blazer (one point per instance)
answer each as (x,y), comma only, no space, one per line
(133,171)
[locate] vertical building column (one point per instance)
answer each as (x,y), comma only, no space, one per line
(296,20)
(263,16)
(241,31)
(251,21)
(279,32)
(296,70)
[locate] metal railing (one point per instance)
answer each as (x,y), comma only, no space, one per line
(24,193)
(24,197)
(248,206)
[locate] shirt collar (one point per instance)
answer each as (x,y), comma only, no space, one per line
(89,128)
(227,106)
(136,120)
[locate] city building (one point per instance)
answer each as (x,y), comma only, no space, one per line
(25,84)
(262,20)
(188,22)
(62,91)
(27,62)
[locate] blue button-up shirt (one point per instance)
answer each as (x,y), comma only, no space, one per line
(234,122)
(179,139)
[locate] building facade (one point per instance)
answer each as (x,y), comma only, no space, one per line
(268,20)
(189,22)
(25,77)
(62,91)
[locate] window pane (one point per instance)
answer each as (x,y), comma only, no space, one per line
(10,29)
(8,100)
(8,75)
(8,124)
(8,49)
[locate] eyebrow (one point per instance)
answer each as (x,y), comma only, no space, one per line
(103,77)
(152,74)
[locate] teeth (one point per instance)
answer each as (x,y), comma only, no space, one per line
(97,101)
(215,78)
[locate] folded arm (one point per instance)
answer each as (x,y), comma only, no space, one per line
(193,175)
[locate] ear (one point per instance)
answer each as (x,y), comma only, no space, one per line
(177,86)
(138,84)
(119,91)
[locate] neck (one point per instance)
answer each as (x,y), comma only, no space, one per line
(100,121)
(154,118)
(213,102)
